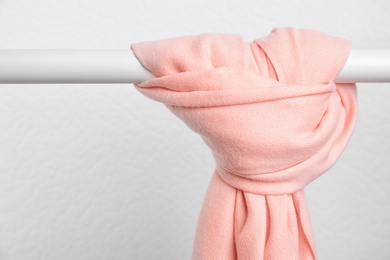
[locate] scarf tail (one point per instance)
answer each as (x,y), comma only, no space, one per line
(238,225)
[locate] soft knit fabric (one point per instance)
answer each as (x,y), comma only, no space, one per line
(274,120)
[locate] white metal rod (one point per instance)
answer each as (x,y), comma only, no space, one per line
(70,67)
(366,66)
(121,66)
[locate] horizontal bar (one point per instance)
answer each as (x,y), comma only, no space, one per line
(366,66)
(122,66)
(70,67)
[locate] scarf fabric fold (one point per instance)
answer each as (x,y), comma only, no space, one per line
(274,120)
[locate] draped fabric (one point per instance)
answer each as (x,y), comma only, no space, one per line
(274,120)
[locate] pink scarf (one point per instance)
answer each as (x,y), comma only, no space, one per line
(274,121)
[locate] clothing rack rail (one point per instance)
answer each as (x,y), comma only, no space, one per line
(122,66)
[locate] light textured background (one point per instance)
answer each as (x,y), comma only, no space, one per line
(102,172)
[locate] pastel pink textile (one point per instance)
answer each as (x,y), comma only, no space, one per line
(274,120)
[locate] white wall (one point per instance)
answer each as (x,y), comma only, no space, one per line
(102,172)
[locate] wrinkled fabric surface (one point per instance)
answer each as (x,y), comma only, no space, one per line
(274,120)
